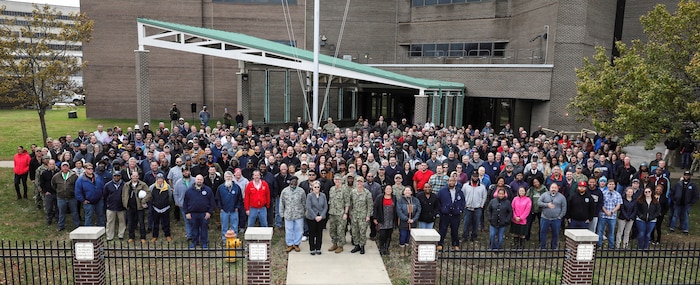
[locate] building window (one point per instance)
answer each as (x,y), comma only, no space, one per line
(420,3)
(290,2)
(488,49)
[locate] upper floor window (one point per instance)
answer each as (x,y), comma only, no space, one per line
(496,49)
(418,3)
(290,2)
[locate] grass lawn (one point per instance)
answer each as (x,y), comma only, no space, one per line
(23,128)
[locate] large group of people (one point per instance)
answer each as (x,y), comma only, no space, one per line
(370,177)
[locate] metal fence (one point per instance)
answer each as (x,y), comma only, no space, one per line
(51,262)
(36,262)
(666,264)
(508,266)
(173,263)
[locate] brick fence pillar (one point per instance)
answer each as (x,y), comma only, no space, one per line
(424,256)
(580,255)
(88,255)
(258,240)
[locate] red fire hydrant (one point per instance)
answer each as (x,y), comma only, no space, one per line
(232,243)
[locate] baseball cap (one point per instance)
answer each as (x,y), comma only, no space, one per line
(304,162)
(582,184)
(146,124)
(635,180)
(65,163)
(687,172)
(475,173)
(136,127)
(160,175)
(116,173)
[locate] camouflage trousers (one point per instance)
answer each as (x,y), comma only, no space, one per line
(359,231)
(337,228)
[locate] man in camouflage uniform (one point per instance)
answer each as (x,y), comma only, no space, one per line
(360,210)
(38,200)
(337,214)
(292,208)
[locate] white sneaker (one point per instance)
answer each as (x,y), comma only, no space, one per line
(304,238)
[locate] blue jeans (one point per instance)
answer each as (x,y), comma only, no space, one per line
(576,224)
(472,219)
(496,236)
(404,236)
(92,209)
(188,227)
(644,236)
(681,212)
(610,223)
(278,218)
(228,221)
(200,229)
(293,229)
(424,225)
(63,205)
(257,213)
(549,226)
(686,160)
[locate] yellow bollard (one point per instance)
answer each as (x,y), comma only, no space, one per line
(232,242)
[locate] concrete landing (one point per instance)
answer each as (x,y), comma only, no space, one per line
(332,268)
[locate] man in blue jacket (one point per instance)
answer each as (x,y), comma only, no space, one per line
(89,191)
(451,202)
(684,194)
(199,205)
(230,201)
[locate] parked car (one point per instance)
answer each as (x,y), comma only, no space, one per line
(68,97)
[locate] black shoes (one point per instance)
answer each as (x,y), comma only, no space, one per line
(362,249)
(357,248)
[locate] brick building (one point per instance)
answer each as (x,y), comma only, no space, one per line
(515,58)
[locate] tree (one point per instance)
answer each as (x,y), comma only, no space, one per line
(652,88)
(36,60)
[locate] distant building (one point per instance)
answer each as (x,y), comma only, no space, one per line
(515,58)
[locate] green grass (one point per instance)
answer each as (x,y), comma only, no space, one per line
(22,127)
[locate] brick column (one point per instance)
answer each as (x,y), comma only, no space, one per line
(424,256)
(580,255)
(143,91)
(258,241)
(88,255)
(420,109)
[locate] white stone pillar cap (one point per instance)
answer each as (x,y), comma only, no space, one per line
(425,235)
(85,233)
(258,233)
(580,235)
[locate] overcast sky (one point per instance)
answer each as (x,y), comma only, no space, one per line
(72,3)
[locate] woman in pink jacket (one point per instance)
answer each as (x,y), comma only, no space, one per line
(22,161)
(521,209)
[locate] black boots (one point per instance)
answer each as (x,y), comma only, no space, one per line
(356,249)
(362,249)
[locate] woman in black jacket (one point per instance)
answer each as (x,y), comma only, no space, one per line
(385,218)
(648,209)
(626,218)
(663,202)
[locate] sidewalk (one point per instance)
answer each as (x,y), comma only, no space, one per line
(7,164)
(332,268)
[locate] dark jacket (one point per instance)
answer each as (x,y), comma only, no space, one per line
(648,212)
(230,199)
(500,212)
(581,207)
(45,181)
(628,209)
(449,207)
(113,195)
(199,200)
(684,194)
(429,207)
(89,189)
(65,189)
(402,212)
(378,208)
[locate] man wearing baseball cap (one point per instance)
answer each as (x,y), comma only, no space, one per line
(581,207)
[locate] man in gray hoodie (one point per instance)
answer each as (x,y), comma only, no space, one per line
(553,210)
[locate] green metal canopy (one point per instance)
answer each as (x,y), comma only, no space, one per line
(252,49)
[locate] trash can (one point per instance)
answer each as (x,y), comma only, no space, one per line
(72,114)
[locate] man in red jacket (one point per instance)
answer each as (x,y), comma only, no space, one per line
(256,200)
(22,160)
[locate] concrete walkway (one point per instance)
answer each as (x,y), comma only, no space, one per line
(332,268)
(7,164)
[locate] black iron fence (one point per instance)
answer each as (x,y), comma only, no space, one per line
(36,262)
(51,262)
(478,265)
(173,263)
(666,264)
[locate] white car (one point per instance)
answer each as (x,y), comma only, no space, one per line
(70,97)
